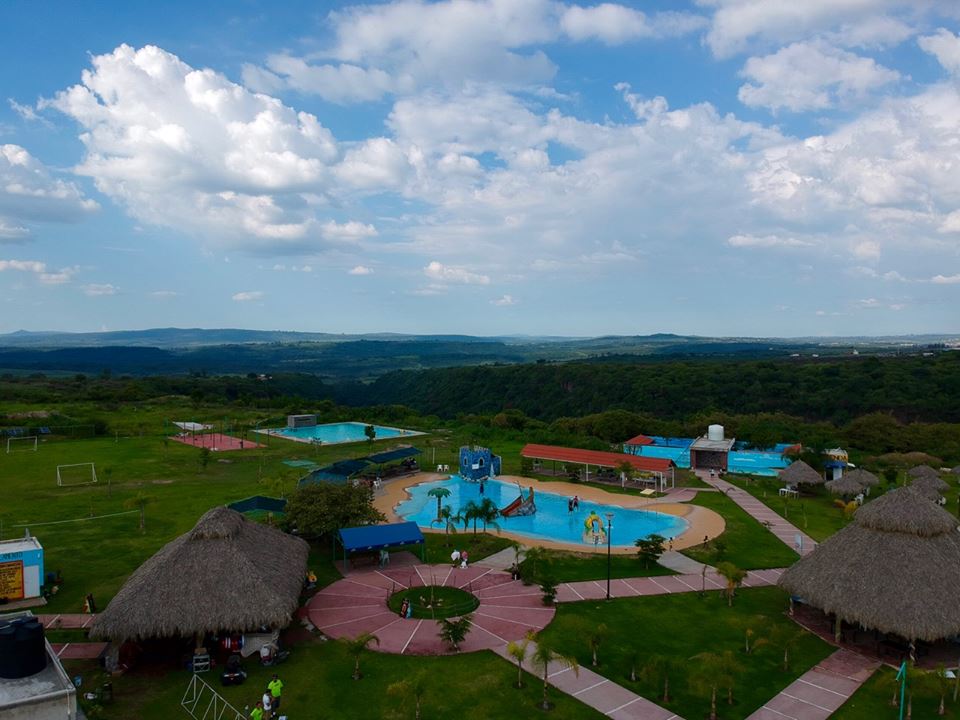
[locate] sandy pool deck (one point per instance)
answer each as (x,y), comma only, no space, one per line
(701,521)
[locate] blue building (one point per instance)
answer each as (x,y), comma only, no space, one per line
(21,569)
(478,463)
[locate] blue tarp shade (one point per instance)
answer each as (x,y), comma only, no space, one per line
(391,455)
(379,537)
(336,473)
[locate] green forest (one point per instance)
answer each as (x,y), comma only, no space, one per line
(878,405)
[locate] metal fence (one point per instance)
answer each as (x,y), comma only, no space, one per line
(204,703)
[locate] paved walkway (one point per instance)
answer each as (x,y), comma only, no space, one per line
(598,692)
(66,621)
(678,562)
(79,650)
(819,692)
(661,585)
(786,532)
(358,603)
(502,560)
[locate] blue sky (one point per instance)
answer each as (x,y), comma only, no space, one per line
(723,167)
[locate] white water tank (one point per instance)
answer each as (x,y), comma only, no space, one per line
(715,432)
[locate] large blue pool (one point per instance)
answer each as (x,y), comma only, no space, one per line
(342,432)
(552,521)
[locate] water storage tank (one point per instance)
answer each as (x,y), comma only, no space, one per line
(715,432)
(22,649)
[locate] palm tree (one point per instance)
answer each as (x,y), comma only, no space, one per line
(786,637)
(708,677)
(470,511)
(356,646)
(734,577)
(545,656)
(414,687)
(439,493)
(657,671)
(488,513)
(139,502)
(517,649)
(731,669)
(446,516)
(455,632)
(596,634)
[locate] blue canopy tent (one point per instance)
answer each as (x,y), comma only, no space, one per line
(379,537)
(337,473)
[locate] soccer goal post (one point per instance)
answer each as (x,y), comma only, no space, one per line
(76,474)
(24,443)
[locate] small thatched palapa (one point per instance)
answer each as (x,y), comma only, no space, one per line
(845,486)
(932,482)
(895,568)
(922,471)
(799,473)
(863,477)
(227,574)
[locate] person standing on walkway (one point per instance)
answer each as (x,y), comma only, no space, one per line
(275,686)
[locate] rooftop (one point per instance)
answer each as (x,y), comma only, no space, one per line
(705,443)
(50,683)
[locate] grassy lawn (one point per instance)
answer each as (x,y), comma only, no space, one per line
(745,542)
(435,601)
(872,701)
(317,685)
(680,627)
(563,566)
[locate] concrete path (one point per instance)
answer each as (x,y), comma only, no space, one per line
(662,585)
(785,532)
(598,692)
(678,562)
(819,692)
(502,560)
(66,621)
(79,650)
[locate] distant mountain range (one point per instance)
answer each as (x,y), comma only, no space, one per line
(367,356)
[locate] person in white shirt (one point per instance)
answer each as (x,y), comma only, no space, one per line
(267,701)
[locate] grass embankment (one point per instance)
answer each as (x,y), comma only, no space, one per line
(317,685)
(681,627)
(745,542)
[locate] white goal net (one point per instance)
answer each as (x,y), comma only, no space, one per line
(76,474)
(22,443)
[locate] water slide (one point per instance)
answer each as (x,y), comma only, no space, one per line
(520,506)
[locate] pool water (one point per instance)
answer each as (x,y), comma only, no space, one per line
(749,462)
(552,521)
(342,432)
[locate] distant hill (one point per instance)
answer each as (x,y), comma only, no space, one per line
(368,356)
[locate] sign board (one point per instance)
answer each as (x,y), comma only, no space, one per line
(11,580)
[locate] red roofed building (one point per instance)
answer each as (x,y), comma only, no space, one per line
(660,468)
(639,440)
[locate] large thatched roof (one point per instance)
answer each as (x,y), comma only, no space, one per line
(895,568)
(799,473)
(845,485)
(228,573)
(922,471)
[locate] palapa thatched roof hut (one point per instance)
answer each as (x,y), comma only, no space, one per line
(227,574)
(799,473)
(864,477)
(934,482)
(845,486)
(895,568)
(922,471)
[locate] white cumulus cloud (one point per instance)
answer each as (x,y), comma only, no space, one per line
(360,270)
(97,290)
(247,296)
(810,76)
(504,301)
(945,46)
(449,274)
(946,279)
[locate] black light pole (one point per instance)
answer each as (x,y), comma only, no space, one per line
(609,527)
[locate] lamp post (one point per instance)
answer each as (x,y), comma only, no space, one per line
(609,516)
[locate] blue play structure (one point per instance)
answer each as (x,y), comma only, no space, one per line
(478,463)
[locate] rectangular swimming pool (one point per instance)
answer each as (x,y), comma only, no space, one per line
(342,432)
